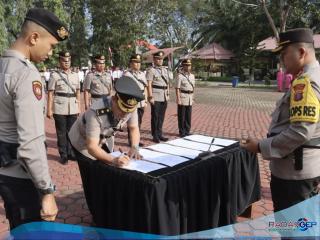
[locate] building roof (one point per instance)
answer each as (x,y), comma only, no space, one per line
(271,43)
(211,51)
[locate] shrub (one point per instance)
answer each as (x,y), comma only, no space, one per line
(219,79)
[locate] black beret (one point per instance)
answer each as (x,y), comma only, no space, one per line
(303,35)
(100,59)
(64,54)
(159,54)
(129,93)
(186,62)
(49,21)
(135,58)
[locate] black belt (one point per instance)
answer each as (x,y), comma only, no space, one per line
(65,94)
(184,91)
(98,95)
(298,152)
(160,87)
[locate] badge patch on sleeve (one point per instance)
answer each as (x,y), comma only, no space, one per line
(304,104)
(37,89)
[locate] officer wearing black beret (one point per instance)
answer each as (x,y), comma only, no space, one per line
(185,84)
(64,103)
(292,143)
(92,135)
(25,183)
(158,78)
(98,83)
(140,77)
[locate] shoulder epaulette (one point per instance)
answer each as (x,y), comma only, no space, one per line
(103,111)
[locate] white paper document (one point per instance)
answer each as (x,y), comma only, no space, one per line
(223,142)
(163,158)
(194,145)
(175,150)
(189,144)
(208,140)
(215,148)
(143,166)
(140,165)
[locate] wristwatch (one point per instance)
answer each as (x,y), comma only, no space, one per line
(48,190)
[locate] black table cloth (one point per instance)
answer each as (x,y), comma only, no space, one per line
(207,192)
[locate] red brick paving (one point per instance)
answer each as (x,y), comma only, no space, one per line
(219,111)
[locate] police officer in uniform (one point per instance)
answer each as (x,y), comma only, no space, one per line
(293,142)
(158,78)
(25,183)
(185,83)
(92,135)
(64,103)
(140,78)
(98,83)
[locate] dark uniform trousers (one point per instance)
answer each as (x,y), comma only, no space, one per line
(158,111)
(140,112)
(184,120)
(21,200)
(63,124)
(286,193)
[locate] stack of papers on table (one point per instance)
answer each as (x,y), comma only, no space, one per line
(174,152)
(194,145)
(206,139)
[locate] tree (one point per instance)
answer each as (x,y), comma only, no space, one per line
(15,12)
(117,24)
(78,40)
(233,26)
(168,24)
(293,13)
(3,31)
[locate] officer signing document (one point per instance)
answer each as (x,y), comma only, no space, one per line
(92,135)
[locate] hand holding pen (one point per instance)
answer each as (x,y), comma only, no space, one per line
(122,160)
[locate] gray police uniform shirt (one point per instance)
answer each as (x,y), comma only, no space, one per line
(279,149)
(22,102)
(89,124)
(185,82)
(157,75)
(63,105)
(141,80)
(98,84)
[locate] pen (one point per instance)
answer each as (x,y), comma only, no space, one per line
(211,144)
(122,152)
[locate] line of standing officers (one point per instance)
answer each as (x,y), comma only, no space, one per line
(64,95)
(26,186)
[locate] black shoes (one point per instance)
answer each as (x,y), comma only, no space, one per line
(163,138)
(64,161)
(72,158)
(156,140)
(184,135)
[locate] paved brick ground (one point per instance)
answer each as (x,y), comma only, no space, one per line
(219,111)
